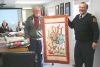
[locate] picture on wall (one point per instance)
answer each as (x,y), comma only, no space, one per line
(67,8)
(62,9)
(55,39)
(57,9)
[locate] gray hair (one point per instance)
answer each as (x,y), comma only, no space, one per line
(85,4)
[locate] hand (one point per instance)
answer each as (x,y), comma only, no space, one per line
(28,39)
(94,45)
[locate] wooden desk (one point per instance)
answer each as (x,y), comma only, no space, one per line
(22,49)
(19,59)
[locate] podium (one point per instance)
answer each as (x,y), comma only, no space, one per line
(18,59)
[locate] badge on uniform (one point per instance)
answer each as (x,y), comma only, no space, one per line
(94,19)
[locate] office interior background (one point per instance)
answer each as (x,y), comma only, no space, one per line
(49,10)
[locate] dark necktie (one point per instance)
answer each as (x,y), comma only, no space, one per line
(36,22)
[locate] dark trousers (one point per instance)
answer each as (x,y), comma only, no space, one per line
(36,46)
(84,54)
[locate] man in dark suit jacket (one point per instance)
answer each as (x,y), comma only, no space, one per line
(33,33)
(86,34)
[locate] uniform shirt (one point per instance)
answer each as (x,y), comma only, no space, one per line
(86,29)
(81,16)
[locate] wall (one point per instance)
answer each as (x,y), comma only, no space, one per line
(26,12)
(96,11)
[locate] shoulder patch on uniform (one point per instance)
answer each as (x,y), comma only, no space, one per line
(94,19)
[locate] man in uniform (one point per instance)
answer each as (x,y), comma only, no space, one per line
(86,35)
(33,34)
